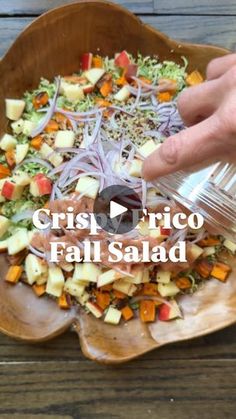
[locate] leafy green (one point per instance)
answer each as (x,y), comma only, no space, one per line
(33,168)
(81,105)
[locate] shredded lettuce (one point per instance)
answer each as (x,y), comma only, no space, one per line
(33,168)
(148,67)
(44,86)
(173,71)
(81,105)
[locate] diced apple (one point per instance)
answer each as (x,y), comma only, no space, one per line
(55,283)
(18,126)
(21,152)
(146,276)
(169,312)
(122,285)
(2,181)
(208,251)
(8,142)
(194,251)
(86,271)
(84,298)
(40,185)
(143,227)
(229,245)
(131,72)
(122,59)
(21,178)
(14,108)
(168,290)
(64,139)
(3,245)
(11,190)
(140,276)
(86,61)
(88,88)
(49,154)
(94,309)
(73,92)
(136,279)
(66,266)
(136,168)
(159,233)
(108,277)
(163,277)
(18,241)
(4,225)
(113,316)
(28,127)
(73,288)
(94,75)
(35,269)
(146,149)
(123,94)
(132,290)
(88,186)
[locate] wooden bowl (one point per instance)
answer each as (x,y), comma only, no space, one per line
(52,45)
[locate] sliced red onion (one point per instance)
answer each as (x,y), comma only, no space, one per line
(45,120)
(93,111)
(36,252)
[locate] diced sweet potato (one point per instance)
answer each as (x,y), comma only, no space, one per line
(37,142)
(183,283)
(127,313)
(39,289)
(149,289)
(4,171)
(164,97)
(41,99)
(64,301)
(147,311)
(194,78)
(118,294)
(209,241)
(13,274)
(103,299)
(220,271)
(52,126)
(203,267)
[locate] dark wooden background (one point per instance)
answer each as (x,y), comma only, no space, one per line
(186,381)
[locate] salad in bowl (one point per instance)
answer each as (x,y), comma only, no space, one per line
(69,139)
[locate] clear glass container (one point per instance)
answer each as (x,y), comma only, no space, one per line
(210,191)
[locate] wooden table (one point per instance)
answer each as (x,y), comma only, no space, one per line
(185,381)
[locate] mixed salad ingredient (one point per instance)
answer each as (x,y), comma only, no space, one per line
(69,139)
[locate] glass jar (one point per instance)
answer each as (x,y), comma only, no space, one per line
(210,191)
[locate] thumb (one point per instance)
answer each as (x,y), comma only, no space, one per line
(191,146)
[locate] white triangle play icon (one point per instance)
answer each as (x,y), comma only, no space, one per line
(116,209)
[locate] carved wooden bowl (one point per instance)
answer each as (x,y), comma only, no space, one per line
(52,45)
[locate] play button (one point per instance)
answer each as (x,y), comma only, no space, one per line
(118,209)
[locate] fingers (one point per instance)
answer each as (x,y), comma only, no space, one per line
(189,147)
(217,67)
(199,102)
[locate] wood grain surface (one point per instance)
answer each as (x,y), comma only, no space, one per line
(215,30)
(191,380)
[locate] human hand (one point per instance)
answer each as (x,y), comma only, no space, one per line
(209,113)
